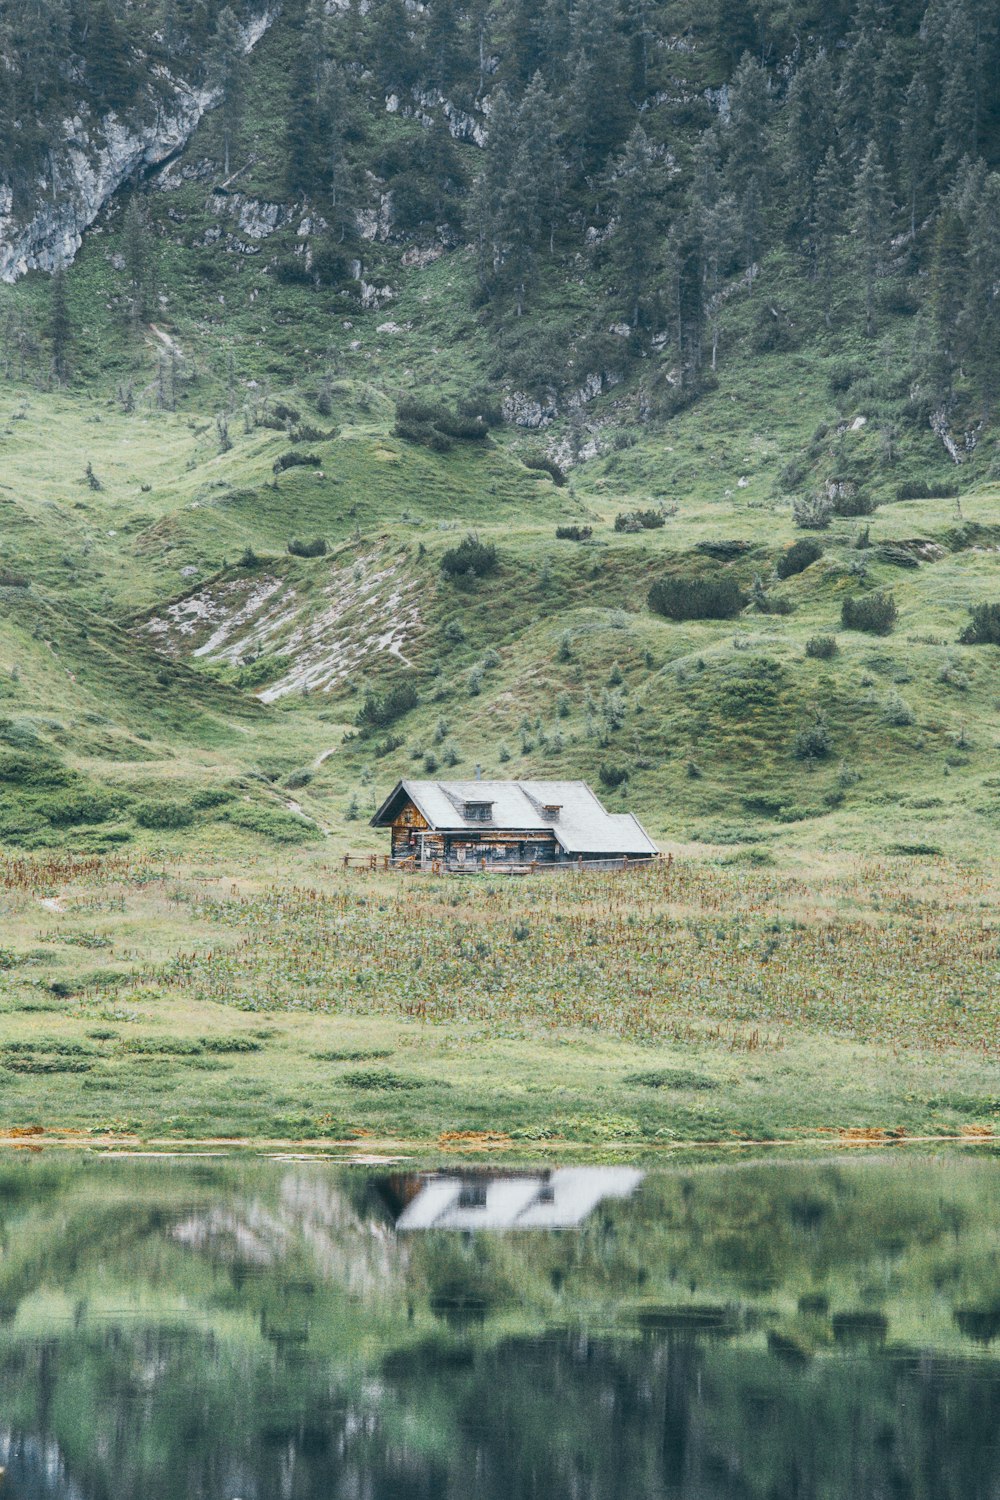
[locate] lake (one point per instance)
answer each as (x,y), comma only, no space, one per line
(248,1329)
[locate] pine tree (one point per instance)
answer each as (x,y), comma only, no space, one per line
(636,187)
(826,225)
(109,60)
(59,330)
(596,102)
(916,133)
(870,208)
(227,73)
(303,134)
(981,312)
(749,170)
(390,40)
(336,116)
(140,263)
(948,296)
(539,145)
(485,218)
(957,28)
(808,130)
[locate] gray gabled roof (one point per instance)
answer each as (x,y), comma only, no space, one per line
(582,824)
(561,1199)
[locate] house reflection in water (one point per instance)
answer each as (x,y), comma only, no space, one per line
(559,1199)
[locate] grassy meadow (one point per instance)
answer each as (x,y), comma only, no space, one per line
(701,1005)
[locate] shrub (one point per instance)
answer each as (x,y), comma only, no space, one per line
(612,774)
(874,613)
(248,559)
(381,709)
(639,520)
(822,647)
(166,814)
(683,597)
(896,710)
(315,548)
(983,628)
(379,1078)
(296,460)
(435,426)
(475,682)
(918,489)
(10,579)
(857,504)
(723,549)
(423,433)
(470,557)
(574,533)
(80,807)
(484,406)
(799,556)
(543,465)
(813,742)
(389,744)
(812,513)
(271,822)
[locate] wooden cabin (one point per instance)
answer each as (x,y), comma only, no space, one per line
(472,825)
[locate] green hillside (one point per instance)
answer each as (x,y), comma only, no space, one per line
(409,216)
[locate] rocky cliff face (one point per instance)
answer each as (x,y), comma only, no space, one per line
(95,158)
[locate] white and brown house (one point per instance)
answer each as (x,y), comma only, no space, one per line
(506,825)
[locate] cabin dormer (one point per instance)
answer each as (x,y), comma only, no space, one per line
(478,811)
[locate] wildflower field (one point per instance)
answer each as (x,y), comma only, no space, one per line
(677,952)
(703,1002)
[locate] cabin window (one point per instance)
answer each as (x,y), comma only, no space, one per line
(479,812)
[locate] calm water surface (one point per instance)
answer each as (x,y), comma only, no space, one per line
(248,1330)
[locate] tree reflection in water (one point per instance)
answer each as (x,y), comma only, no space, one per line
(262,1331)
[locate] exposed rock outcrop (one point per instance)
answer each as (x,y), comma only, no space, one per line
(96,157)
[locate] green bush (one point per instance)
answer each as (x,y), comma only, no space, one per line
(33,771)
(983,628)
(542,465)
(424,434)
(639,520)
(684,597)
(88,806)
(799,556)
(822,647)
(435,426)
(316,548)
(574,533)
(723,549)
(813,743)
(382,709)
(613,774)
(812,513)
(271,823)
(380,1078)
(471,556)
(857,504)
(671,1078)
(11,579)
(918,489)
(166,814)
(296,460)
(874,613)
